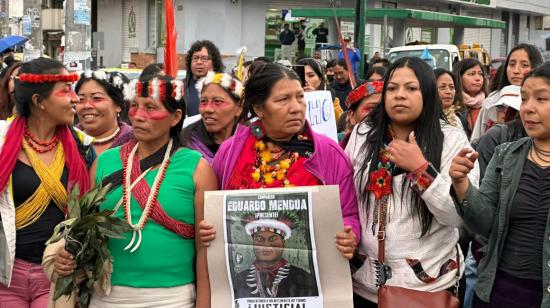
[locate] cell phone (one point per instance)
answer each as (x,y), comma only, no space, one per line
(301,71)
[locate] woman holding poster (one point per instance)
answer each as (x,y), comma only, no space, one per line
(281,150)
(401,155)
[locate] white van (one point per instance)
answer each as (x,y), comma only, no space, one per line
(444,55)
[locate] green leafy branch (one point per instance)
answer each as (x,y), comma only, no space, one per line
(86,232)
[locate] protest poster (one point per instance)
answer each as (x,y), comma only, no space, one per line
(320,113)
(277,249)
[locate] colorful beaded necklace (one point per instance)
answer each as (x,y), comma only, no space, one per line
(127,191)
(267,169)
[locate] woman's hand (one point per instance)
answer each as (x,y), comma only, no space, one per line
(64,263)
(461,166)
(346,242)
(207,233)
(406,155)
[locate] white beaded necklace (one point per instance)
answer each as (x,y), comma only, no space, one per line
(108,138)
(127,193)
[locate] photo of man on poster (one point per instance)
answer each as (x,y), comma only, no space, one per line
(271,275)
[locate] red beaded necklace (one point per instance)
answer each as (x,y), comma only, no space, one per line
(38,145)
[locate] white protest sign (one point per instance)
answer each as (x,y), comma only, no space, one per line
(320,113)
(190,120)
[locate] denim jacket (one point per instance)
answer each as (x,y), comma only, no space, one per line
(487,212)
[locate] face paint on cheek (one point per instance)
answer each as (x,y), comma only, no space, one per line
(132,111)
(156,115)
(62,93)
(366,110)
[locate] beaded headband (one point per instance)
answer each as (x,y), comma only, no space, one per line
(364,90)
(230,84)
(112,78)
(46,78)
(155,88)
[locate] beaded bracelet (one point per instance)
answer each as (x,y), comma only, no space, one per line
(422,177)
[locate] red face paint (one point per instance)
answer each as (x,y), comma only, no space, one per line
(366,109)
(66,91)
(155,115)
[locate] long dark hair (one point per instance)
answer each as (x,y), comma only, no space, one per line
(428,133)
(25,91)
(380,70)
(317,69)
(7,99)
(534,57)
(438,72)
(259,84)
(463,65)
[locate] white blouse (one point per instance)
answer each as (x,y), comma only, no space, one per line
(403,228)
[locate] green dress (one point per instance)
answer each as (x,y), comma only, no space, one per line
(164,259)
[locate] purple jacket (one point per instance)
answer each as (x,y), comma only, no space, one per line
(197,145)
(329,163)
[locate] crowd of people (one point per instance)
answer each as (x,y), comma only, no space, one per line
(442,182)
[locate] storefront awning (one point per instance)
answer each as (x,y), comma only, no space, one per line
(412,18)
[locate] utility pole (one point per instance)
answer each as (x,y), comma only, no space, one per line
(78,34)
(32,28)
(360,20)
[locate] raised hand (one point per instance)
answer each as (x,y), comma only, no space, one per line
(406,155)
(461,166)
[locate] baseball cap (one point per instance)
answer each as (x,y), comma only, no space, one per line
(510,96)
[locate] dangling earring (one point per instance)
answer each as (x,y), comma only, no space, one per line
(257,130)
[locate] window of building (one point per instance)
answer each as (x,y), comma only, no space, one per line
(542,22)
(52,4)
(155,24)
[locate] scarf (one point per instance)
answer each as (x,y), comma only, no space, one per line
(198,131)
(450,114)
(50,188)
(78,171)
(126,134)
(473,102)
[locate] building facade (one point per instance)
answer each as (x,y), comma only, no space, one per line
(132,30)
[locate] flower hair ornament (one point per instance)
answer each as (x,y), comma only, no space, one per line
(115,79)
(46,78)
(230,84)
(364,90)
(155,88)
